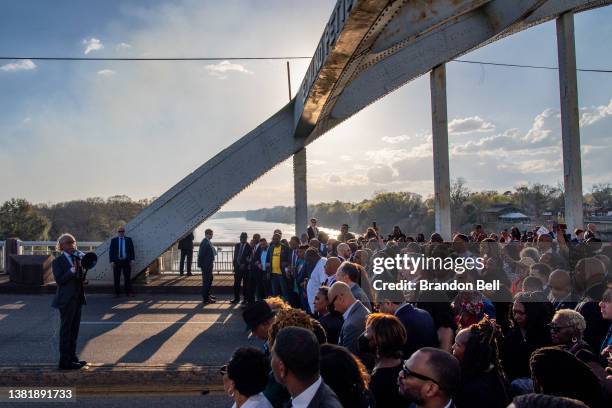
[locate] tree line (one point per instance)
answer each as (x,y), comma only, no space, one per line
(91,219)
(96,219)
(415,214)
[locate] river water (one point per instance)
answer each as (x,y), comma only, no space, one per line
(229,229)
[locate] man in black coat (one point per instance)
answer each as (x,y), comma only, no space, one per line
(295,364)
(242,255)
(186,247)
(313,230)
(206,260)
(69,298)
(121,256)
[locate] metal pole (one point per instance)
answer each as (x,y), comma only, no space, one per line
(299,180)
(289,80)
(439,120)
(570,122)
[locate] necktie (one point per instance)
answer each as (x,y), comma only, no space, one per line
(121,250)
(240,252)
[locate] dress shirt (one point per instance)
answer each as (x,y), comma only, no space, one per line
(302,400)
(262,259)
(255,401)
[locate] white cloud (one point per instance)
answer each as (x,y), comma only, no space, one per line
(335,179)
(381,174)
(594,114)
(316,162)
(395,139)
(345,157)
(106,72)
(533,166)
(461,126)
(123,46)
(387,155)
(92,44)
(22,65)
(221,69)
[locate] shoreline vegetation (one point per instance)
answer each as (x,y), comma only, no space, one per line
(95,219)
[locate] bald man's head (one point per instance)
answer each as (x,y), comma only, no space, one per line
(332,265)
(341,297)
(560,283)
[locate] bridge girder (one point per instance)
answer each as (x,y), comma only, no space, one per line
(368,49)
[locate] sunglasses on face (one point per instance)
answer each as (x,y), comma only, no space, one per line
(406,372)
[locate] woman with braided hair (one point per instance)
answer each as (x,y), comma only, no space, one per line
(483,383)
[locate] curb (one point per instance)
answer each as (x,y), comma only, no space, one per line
(128,378)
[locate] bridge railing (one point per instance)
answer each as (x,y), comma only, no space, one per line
(170,259)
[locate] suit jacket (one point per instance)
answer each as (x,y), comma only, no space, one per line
(325,398)
(206,255)
(113,252)
(352,327)
(69,287)
(285,256)
(186,244)
(361,296)
(244,258)
(420,326)
(311,232)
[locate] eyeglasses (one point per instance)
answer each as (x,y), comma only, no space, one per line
(518,312)
(120,231)
(223,370)
(406,372)
(557,329)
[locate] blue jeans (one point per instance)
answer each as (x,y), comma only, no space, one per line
(279,286)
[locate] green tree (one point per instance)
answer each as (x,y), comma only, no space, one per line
(19,219)
(601,195)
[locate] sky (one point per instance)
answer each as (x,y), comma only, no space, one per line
(72,130)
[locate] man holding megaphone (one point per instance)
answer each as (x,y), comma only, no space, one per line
(69,270)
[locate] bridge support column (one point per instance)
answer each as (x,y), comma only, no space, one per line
(299,192)
(570,122)
(439,129)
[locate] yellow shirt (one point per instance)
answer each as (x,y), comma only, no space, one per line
(276,260)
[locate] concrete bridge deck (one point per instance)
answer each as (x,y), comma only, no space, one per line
(167,283)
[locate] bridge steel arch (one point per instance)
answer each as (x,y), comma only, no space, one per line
(368,49)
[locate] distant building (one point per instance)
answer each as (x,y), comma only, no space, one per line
(504,213)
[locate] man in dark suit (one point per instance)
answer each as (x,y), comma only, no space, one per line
(354,313)
(430,378)
(295,364)
(69,298)
(186,247)
(121,257)
(419,324)
(262,287)
(206,260)
(242,255)
(313,230)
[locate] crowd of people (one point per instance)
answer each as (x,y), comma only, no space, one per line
(543,338)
